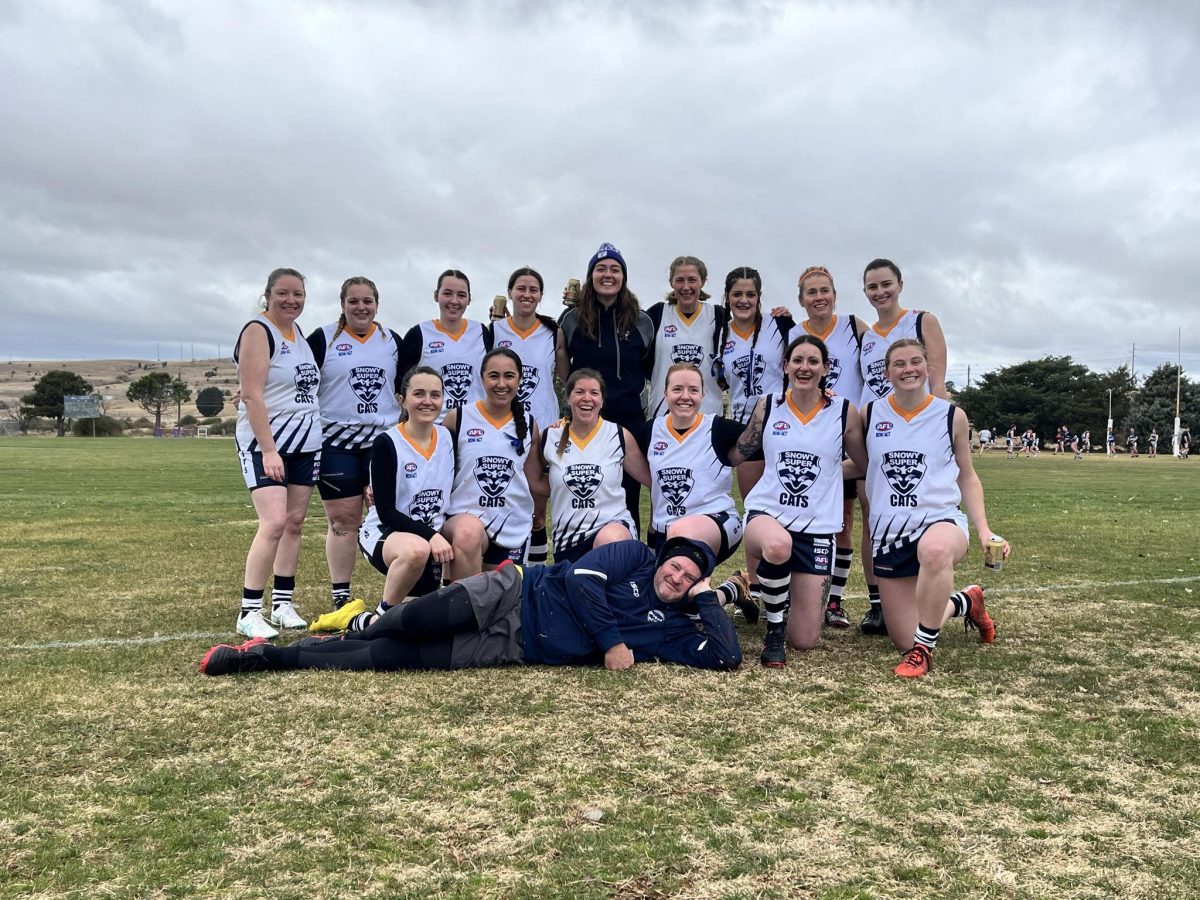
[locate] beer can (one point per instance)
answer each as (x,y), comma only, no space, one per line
(993,554)
(500,307)
(571,294)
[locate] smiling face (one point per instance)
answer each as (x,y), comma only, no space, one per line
(674,578)
(359,306)
(817,296)
(452,296)
(686,282)
(525,295)
(805,367)
(285,301)
(743,299)
(501,378)
(585,401)
(907,368)
(423,401)
(684,393)
(882,287)
(607,279)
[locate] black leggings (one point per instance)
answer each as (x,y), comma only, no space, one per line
(414,635)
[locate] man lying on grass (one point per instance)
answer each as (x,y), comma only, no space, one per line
(617,605)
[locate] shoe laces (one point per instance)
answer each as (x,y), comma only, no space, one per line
(917,656)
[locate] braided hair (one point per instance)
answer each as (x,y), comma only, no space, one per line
(743,272)
(346,285)
(577,376)
(823,384)
(516,406)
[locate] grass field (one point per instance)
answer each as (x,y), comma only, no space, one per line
(1062,761)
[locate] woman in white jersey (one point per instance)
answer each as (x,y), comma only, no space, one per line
(691,476)
(883,284)
(795,510)
(918,471)
(358,359)
(840,334)
(278,440)
(534,338)
(450,343)
(496,475)
(586,457)
(686,330)
(412,473)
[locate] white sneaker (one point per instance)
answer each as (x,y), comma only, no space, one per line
(253,625)
(285,616)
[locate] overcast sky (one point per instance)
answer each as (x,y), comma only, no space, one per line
(1034,168)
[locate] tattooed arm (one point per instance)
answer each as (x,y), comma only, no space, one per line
(750,442)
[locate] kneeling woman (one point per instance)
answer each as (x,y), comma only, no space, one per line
(495,474)
(412,472)
(795,511)
(918,470)
(586,458)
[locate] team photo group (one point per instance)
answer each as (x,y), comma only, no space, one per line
(450,459)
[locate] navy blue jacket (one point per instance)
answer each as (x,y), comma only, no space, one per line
(572,613)
(625,361)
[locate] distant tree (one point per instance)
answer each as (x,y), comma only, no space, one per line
(1153,406)
(158,391)
(105,426)
(1041,394)
(210,401)
(46,398)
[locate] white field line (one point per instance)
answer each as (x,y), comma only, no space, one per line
(217,635)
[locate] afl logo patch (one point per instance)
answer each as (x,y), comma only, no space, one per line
(504,344)
(410,467)
(883,427)
(474,434)
(669,330)
(867,348)
(435,346)
(781,427)
(343,348)
(660,446)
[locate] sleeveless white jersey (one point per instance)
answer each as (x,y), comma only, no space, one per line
(457,357)
(489,478)
(358,387)
(536,349)
(680,340)
(686,478)
(423,483)
(290,395)
(585,482)
(752,368)
(912,476)
(801,486)
(872,357)
(845,377)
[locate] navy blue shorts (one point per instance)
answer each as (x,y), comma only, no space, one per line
(301,469)
(344,473)
(897,561)
(495,554)
(812,554)
(730,527)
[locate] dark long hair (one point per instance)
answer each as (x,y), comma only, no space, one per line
(787,355)
(730,280)
(408,376)
(515,406)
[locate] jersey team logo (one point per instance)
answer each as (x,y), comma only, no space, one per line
(456,380)
(904,470)
(835,372)
(751,378)
(529,383)
(584,480)
(876,380)
(307,379)
(692,354)
(492,474)
(675,484)
(367,382)
(426,505)
(797,472)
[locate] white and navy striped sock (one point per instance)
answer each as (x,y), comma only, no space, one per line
(926,637)
(282,590)
(841,573)
(774,578)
